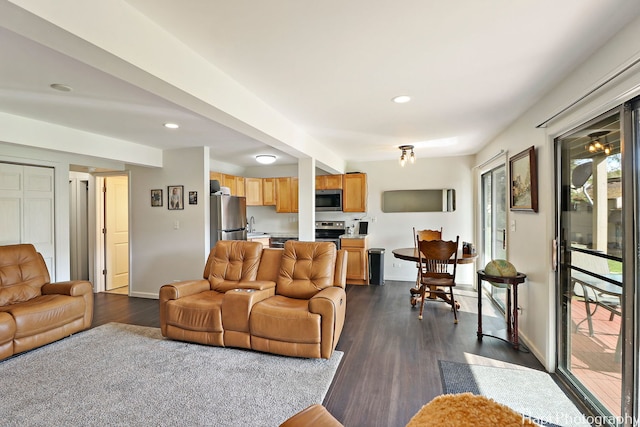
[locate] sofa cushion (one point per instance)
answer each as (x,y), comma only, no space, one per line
(22,273)
(44,313)
(231,262)
(306,268)
(198,312)
(285,319)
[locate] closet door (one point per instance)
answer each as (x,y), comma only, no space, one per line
(26,207)
(11,193)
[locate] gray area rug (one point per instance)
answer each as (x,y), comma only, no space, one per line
(528,391)
(125,375)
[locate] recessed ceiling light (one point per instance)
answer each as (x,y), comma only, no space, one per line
(401,99)
(61,87)
(265,159)
(171,125)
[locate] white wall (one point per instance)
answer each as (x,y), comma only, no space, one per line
(529,246)
(394,230)
(160,252)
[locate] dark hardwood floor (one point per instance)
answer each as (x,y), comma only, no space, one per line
(390,363)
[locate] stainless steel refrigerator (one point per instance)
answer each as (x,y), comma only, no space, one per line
(228,218)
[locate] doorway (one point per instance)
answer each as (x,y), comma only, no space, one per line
(114,234)
(494,224)
(591,237)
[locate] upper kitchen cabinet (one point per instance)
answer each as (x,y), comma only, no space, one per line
(286,194)
(235,183)
(269,191)
(328,182)
(354,192)
(253,191)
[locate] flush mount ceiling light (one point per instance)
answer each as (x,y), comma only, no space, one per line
(403,156)
(171,125)
(401,99)
(265,159)
(596,146)
(61,87)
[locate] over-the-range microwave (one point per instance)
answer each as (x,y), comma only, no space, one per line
(328,200)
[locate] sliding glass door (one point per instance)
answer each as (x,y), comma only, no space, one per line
(593,290)
(494,223)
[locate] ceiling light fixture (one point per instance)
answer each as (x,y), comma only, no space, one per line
(595,146)
(403,156)
(401,99)
(265,159)
(171,125)
(61,87)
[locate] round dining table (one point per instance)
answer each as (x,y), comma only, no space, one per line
(412,254)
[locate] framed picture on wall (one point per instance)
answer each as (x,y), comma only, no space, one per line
(524,181)
(193,197)
(176,197)
(156,198)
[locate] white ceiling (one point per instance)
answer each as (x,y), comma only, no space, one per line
(331,68)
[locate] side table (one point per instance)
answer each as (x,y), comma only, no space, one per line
(512,283)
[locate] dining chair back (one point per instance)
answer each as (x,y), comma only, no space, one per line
(423,235)
(438,262)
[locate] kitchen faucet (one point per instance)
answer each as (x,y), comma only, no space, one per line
(252,222)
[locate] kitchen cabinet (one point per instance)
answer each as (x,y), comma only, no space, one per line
(354,192)
(263,240)
(357,260)
(229,181)
(217,176)
(269,191)
(286,194)
(240,187)
(328,182)
(253,191)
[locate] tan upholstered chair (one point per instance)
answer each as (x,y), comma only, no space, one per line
(315,415)
(34,312)
(306,315)
(437,266)
(191,310)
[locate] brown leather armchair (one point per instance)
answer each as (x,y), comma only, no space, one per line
(192,310)
(306,315)
(34,312)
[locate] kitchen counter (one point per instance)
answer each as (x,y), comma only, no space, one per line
(354,236)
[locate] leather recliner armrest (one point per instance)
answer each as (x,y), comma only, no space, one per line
(331,305)
(257,285)
(72,288)
(183,289)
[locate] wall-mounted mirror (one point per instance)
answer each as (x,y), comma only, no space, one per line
(442,200)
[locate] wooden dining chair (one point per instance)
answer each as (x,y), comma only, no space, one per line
(437,268)
(422,235)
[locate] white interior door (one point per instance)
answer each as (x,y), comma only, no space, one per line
(117,231)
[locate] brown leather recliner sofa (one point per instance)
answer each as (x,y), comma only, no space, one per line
(288,301)
(34,312)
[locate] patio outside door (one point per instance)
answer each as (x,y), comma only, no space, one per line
(494,224)
(591,241)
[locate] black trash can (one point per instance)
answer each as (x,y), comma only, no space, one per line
(376,266)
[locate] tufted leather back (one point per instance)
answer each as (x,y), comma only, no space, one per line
(232,261)
(306,268)
(22,273)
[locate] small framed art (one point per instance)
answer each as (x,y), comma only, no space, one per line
(524,181)
(176,197)
(193,197)
(156,198)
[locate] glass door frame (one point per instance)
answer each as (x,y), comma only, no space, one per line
(497,294)
(630,209)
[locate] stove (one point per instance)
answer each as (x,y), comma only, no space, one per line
(329,231)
